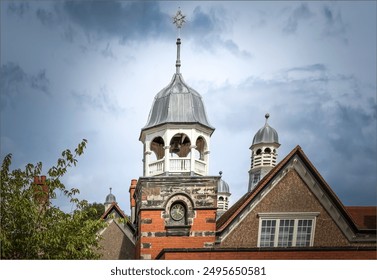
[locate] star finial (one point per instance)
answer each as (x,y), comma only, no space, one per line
(179,19)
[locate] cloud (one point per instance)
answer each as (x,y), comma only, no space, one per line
(332,116)
(46,17)
(206,28)
(300,13)
(102,101)
(122,19)
(334,25)
(18,8)
(14,82)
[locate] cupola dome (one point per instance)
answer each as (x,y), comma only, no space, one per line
(223,187)
(266,134)
(110,198)
(177,103)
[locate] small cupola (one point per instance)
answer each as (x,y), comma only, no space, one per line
(223,195)
(263,153)
(110,199)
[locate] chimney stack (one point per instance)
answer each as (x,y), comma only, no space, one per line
(40,188)
(132,199)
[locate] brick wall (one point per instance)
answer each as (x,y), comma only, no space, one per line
(314,254)
(157,230)
(154,238)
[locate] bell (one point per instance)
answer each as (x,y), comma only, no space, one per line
(176,147)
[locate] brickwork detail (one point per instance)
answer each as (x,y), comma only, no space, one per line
(157,230)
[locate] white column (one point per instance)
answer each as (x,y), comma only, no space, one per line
(192,159)
(206,160)
(167,160)
(147,155)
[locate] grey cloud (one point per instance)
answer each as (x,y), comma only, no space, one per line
(101,101)
(18,8)
(203,23)
(206,29)
(333,119)
(122,19)
(310,68)
(40,82)
(46,17)
(14,82)
(107,52)
(302,12)
(334,25)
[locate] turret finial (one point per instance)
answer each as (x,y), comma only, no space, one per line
(267,116)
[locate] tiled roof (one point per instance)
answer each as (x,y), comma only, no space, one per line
(364,216)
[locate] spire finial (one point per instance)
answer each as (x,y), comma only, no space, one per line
(178,20)
(110,189)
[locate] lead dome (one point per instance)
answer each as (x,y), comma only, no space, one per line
(223,187)
(266,134)
(110,198)
(177,103)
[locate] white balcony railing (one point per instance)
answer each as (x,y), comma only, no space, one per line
(180,165)
(156,168)
(177,165)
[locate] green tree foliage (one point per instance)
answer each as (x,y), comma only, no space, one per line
(32,227)
(94,210)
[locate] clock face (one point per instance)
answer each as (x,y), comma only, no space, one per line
(177,212)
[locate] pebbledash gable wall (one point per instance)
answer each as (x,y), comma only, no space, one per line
(289,195)
(153,197)
(115,245)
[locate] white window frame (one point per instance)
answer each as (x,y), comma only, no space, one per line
(296,216)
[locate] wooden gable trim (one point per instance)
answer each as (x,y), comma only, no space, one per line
(114,206)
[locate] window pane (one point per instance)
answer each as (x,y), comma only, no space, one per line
(267,233)
(304,232)
(285,233)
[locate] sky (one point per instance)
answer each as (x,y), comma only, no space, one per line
(73,70)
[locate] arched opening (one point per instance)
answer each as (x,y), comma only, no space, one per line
(201,147)
(180,145)
(157,147)
(267,151)
(259,151)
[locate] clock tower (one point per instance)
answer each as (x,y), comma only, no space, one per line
(175,200)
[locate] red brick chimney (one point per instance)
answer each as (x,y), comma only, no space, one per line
(132,199)
(41,190)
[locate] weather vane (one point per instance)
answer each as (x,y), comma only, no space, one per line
(179,20)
